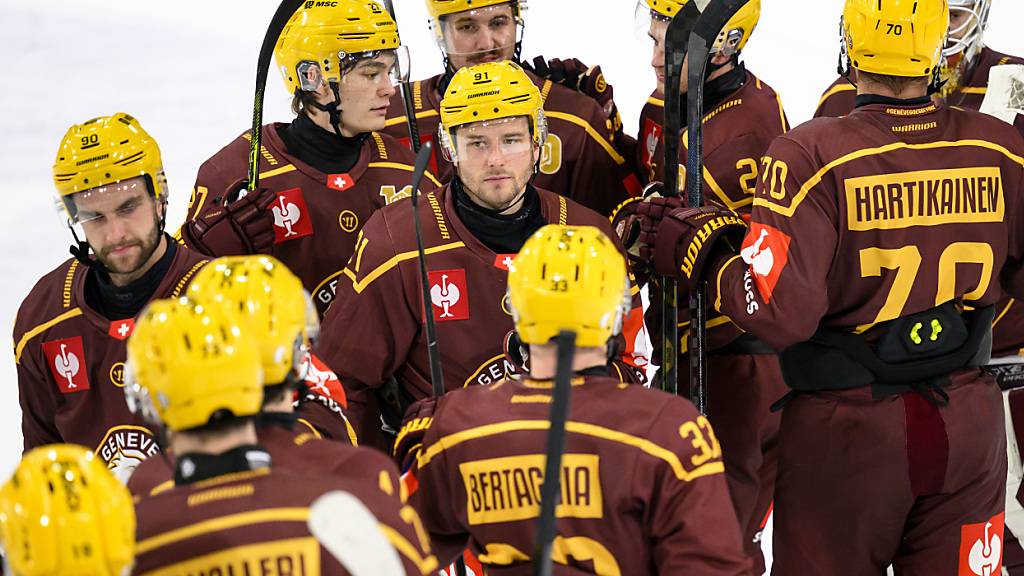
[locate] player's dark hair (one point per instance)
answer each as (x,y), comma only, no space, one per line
(302,101)
(896,84)
(276,393)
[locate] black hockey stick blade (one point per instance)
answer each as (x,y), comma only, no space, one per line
(433,355)
(550,490)
(707,29)
(277,23)
(406,87)
(675,52)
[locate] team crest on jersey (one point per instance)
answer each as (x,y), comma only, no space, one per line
(981,548)
(503,261)
(291,217)
(650,137)
(340,182)
(766,250)
(494,370)
(123,448)
(66,358)
(121,329)
(449,295)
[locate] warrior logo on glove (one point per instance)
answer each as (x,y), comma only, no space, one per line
(712,223)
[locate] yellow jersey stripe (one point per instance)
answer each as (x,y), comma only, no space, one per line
(404,547)
(718,282)
(788,211)
(590,131)
(974,90)
(360,285)
(278,171)
(1003,313)
(222,523)
(401,119)
(406,167)
(847,87)
(656,101)
(582,428)
(73,313)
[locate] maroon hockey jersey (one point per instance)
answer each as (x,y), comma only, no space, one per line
(579,159)
(736,134)
(279,435)
(317,216)
(838,99)
(643,489)
(70,363)
(258,522)
(911,208)
(374,330)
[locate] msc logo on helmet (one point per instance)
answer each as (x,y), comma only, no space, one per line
(320,4)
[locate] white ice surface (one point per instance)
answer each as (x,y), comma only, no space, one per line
(186,69)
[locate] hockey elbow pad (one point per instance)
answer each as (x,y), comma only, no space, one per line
(244,226)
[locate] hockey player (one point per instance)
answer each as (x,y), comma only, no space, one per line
(493,130)
(643,487)
(323,175)
(272,300)
(70,331)
(742,116)
(878,244)
(578,160)
(63,512)
(232,510)
(966,65)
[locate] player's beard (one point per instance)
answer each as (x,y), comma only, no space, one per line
(135,260)
(498,197)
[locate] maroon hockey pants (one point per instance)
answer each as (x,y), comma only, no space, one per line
(864,483)
(741,390)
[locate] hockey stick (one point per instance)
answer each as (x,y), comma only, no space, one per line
(675,52)
(433,355)
(284,12)
(406,86)
(550,490)
(351,534)
(715,16)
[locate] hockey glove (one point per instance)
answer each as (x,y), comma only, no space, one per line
(418,419)
(682,240)
(244,226)
(626,221)
(589,81)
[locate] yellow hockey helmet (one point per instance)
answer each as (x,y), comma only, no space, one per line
(192,364)
(271,299)
(568,278)
(734,34)
(103,151)
(63,512)
(895,37)
(490,91)
(439,8)
(327,35)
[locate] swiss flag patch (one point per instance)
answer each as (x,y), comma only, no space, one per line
(121,329)
(766,250)
(66,358)
(650,137)
(340,182)
(503,261)
(449,295)
(981,548)
(291,217)
(322,380)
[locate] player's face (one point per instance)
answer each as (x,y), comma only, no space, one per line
(959,22)
(657,33)
(122,225)
(366,91)
(495,161)
(481,35)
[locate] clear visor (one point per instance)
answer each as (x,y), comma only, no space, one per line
(120,199)
(139,401)
(644,18)
(488,34)
(478,141)
(363,70)
(966,27)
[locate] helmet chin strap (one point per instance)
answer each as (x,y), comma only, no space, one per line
(332,109)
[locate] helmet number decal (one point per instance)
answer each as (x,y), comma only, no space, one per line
(551,155)
(90,141)
(481,77)
(894,29)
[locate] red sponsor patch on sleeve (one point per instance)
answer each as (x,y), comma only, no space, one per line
(449,295)
(291,217)
(766,251)
(66,359)
(322,380)
(981,548)
(650,137)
